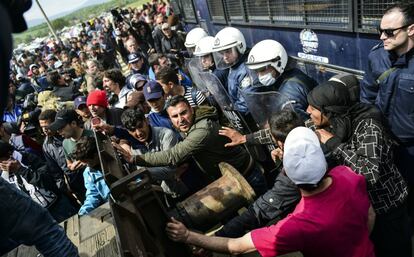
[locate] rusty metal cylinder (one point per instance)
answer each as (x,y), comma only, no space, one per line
(217,201)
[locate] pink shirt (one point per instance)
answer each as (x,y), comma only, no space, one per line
(331,223)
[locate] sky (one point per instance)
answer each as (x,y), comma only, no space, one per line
(54,7)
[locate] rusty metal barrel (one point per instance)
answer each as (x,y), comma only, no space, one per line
(217,201)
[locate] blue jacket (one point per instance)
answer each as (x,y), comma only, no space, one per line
(97,192)
(239,80)
(295,85)
(222,76)
(394,95)
(14,115)
(160,119)
(185,79)
(151,74)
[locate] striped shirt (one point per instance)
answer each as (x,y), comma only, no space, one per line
(194,96)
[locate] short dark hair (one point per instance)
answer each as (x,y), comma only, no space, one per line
(310,187)
(167,74)
(116,76)
(173,101)
(53,77)
(407,9)
(131,117)
(85,149)
(49,115)
(153,59)
(282,122)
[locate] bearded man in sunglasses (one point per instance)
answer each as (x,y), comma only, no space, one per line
(389,83)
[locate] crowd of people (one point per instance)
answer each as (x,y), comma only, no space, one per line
(344,187)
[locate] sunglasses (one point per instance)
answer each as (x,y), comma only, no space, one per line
(390,32)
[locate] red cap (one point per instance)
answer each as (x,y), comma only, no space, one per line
(97,97)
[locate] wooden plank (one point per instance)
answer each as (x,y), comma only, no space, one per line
(102,244)
(93,234)
(71,227)
(97,234)
(97,221)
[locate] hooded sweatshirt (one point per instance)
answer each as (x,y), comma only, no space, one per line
(202,142)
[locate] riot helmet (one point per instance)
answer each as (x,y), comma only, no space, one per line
(229,46)
(203,52)
(193,37)
(264,56)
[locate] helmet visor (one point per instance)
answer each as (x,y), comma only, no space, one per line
(226,58)
(190,49)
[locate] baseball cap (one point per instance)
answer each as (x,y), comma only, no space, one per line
(79,101)
(133,58)
(152,90)
(97,97)
(303,158)
(63,117)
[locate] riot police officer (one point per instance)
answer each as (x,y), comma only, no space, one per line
(268,59)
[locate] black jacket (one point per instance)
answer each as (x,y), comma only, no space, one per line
(175,42)
(55,159)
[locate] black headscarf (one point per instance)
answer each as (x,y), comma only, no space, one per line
(334,101)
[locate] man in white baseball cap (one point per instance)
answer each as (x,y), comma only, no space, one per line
(303,158)
(332,218)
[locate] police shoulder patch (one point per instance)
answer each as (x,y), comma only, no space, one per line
(246,82)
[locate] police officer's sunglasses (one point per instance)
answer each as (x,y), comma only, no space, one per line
(390,32)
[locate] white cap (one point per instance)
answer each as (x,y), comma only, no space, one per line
(303,158)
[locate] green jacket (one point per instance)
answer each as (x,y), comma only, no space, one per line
(204,143)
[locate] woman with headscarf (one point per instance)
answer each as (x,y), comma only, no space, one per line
(354,135)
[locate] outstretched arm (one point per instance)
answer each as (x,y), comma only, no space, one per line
(178,232)
(235,137)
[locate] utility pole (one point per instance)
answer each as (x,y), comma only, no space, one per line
(47,21)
